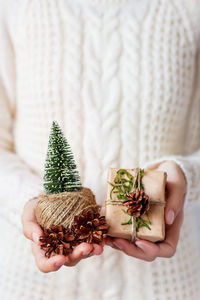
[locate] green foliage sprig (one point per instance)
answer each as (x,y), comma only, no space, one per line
(123,182)
(140,222)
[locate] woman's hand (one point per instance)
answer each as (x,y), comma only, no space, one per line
(33,231)
(175,196)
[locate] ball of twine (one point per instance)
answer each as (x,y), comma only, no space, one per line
(60,209)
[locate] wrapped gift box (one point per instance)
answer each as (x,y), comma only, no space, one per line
(154,186)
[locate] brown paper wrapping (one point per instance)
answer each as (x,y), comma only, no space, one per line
(154,186)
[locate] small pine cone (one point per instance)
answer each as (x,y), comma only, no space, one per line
(57,240)
(137,202)
(89,227)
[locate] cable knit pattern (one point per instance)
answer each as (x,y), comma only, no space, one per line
(121,77)
(131,63)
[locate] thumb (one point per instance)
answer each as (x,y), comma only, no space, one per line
(31,229)
(175,190)
(174,202)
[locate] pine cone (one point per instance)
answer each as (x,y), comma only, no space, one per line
(138,202)
(89,227)
(57,240)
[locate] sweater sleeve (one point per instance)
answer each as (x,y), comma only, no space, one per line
(18,182)
(189,162)
(190,165)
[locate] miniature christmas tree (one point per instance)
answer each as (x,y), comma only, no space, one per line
(61,173)
(66,211)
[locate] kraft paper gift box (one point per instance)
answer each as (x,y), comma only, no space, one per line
(154,186)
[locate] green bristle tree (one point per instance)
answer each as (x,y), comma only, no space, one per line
(61,173)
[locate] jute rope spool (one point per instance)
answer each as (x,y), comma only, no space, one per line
(60,209)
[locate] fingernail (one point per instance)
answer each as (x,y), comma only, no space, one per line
(170,216)
(35,237)
(118,246)
(87,253)
(110,244)
(141,246)
(59,264)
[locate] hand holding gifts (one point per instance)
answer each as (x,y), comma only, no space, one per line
(135,204)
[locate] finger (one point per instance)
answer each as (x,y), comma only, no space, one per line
(175,190)
(149,251)
(132,249)
(31,229)
(44,264)
(81,251)
(109,242)
(168,247)
(174,202)
(29,210)
(97,249)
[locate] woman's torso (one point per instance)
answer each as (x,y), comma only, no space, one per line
(121,83)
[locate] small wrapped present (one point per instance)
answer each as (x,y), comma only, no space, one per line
(135,204)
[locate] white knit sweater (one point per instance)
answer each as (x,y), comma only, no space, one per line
(122,79)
